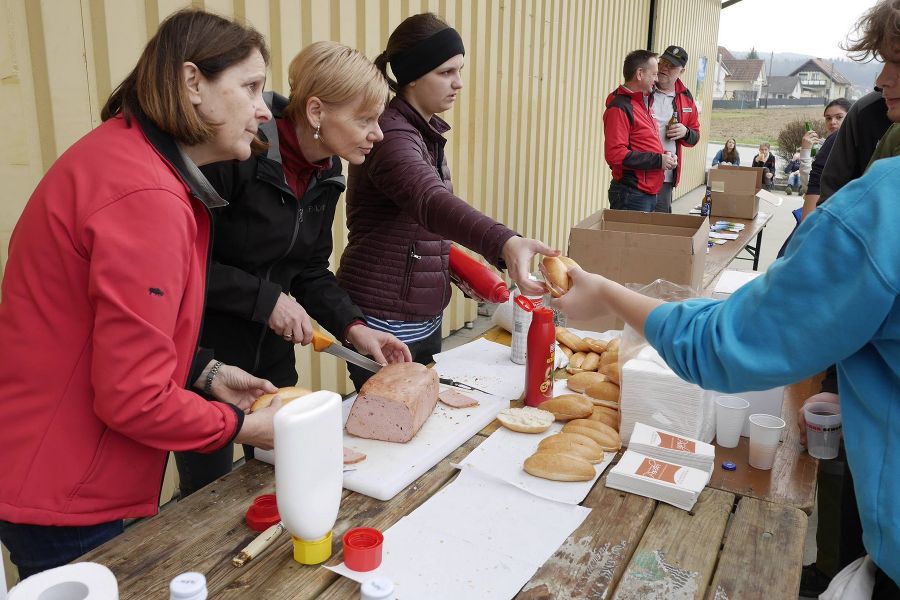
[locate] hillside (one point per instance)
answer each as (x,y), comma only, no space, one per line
(861,74)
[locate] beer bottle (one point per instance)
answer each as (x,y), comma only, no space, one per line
(706,206)
(813,150)
(673,120)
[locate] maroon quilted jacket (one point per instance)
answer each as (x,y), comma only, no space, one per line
(402,216)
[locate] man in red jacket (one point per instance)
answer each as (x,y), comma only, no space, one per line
(676,117)
(631,140)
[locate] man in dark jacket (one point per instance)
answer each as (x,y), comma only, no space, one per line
(676,117)
(631,141)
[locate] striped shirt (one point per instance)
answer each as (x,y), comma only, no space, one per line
(406,331)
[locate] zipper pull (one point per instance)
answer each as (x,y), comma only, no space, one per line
(300,215)
(412,253)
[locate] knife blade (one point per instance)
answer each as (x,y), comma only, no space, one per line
(322,343)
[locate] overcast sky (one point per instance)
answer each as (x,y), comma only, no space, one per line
(814,27)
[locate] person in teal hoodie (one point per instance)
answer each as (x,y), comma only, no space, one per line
(803,315)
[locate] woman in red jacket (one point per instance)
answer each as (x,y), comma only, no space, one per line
(103,295)
(401,210)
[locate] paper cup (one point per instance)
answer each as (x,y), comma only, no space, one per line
(730,414)
(823,429)
(765,434)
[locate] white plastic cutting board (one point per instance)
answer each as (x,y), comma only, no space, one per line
(389,467)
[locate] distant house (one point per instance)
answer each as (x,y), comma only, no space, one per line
(721,73)
(783,86)
(746,80)
(818,79)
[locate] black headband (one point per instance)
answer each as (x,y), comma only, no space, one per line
(426,55)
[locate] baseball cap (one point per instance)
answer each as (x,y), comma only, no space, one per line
(675,55)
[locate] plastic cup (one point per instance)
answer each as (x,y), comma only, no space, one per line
(823,429)
(730,414)
(765,435)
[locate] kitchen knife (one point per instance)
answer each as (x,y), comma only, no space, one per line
(321,343)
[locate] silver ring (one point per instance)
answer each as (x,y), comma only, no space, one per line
(288,336)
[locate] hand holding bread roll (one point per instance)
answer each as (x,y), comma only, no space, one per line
(555,270)
(286,393)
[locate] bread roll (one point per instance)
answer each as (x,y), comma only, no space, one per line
(579,383)
(567,338)
(559,467)
(609,358)
(591,361)
(592,454)
(525,420)
(571,438)
(573,370)
(577,359)
(556,274)
(606,415)
(604,391)
(566,350)
(608,439)
(287,394)
(613,345)
(598,346)
(568,407)
(590,424)
(611,371)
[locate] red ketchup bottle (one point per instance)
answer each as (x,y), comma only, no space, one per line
(475,279)
(540,358)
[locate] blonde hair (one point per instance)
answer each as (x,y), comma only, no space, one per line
(335,74)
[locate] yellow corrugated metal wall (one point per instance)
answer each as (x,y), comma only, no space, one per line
(693,25)
(526,146)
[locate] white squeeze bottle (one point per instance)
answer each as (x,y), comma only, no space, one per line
(309,472)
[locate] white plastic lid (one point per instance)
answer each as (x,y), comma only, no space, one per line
(188,586)
(377,588)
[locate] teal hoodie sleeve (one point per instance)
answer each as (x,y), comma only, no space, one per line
(821,303)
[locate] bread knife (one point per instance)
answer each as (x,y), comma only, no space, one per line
(322,343)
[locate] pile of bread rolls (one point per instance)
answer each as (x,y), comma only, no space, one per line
(593,365)
(570,455)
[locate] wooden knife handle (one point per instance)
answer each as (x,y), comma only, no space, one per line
(254,548)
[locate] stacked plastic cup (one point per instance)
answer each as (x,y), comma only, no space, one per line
(730,414)
(765,435)
(823,429)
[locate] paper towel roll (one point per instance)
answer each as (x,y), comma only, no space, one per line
(79,581)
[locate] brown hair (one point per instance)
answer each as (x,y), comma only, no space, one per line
(730,156)
(411,31)
(156,87)
(878,32)
(335,74)
(635,60)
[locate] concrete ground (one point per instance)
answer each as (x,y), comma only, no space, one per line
(774,235)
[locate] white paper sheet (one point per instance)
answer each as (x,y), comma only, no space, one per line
(731,280)
(485,365)
(476,538)
(504,452)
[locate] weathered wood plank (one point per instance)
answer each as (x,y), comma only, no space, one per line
(201,533)
(792,480)
(277,576)
(677,555)
(763,554)
(593,558)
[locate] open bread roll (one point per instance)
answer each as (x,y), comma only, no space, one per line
(287,394)
(555,270)
(526,419)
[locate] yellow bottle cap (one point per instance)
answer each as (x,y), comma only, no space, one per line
(312,552)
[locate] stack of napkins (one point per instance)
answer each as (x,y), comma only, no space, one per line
(667,482)
(652,393)
(670,447)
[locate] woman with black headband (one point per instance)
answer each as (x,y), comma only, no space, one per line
(401,211)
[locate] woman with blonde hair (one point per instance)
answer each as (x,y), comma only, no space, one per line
(269,273)
(401,210)
(103,299)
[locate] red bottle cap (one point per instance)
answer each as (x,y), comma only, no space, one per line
(524,303)
(362,548)
(263,513)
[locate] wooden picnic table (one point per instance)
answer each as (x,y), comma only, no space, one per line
(743,539)
(721,255)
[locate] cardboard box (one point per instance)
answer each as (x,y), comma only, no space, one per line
(734,191)
(637,247)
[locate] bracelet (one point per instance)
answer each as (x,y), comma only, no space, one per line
(207,389)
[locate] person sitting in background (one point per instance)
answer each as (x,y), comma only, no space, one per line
(727,155)
(792,169)
(766,160)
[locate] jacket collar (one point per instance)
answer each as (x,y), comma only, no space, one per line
(432,130)
(165,145)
